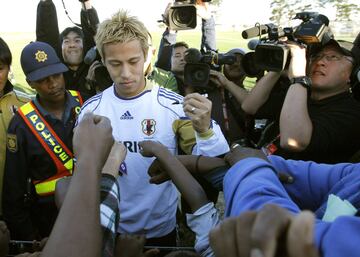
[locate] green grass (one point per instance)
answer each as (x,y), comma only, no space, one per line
(17,41)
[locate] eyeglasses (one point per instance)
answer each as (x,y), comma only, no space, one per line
(330,57)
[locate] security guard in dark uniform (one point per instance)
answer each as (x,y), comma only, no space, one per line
(39,145)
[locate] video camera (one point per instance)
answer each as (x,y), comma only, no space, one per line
(182,14)
(273,55)
(102,78)
(197,67)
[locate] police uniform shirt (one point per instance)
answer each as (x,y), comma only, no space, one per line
(26,158)
(9,103)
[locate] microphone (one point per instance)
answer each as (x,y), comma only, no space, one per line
(90,55)
(255,31)
(192,55)
(253,43)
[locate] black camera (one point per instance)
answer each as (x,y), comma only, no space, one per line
(182,15)
(102,79)
(197,67)
(271,54)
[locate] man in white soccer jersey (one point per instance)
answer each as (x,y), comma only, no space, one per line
(140,110)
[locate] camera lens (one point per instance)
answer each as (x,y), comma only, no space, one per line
(182,17)
(199,75)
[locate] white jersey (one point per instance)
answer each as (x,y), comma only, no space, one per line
(146,208)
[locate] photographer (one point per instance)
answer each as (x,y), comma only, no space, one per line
(171,56)
(317,118)
(230,84)
(72,44)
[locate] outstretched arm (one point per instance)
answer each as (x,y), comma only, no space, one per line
(260,93)
(195,164)
(167,41)
(79,215)
(89,22)
(47,29)
(295,124)
(186,184)
(222,82)
(208,35)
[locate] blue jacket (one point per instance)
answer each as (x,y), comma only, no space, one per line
(253,182)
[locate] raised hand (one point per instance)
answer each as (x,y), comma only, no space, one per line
(93,132)
(198,109)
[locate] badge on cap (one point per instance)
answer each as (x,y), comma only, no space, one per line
(41,56)
(11,143)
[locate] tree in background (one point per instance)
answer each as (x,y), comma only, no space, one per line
(216,2)
(284,10)
(345,11)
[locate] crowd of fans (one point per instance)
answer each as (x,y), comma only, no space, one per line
(94,164)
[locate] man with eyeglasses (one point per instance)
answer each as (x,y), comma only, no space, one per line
(317,118)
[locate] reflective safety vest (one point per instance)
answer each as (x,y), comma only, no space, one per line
(53,145)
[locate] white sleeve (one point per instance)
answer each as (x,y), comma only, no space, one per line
(201,222)
(213,146)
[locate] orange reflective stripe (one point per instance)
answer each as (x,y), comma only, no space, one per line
(53,145)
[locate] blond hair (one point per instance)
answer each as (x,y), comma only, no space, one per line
(121,28)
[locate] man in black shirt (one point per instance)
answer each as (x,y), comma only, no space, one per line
(317,117)
(72,44)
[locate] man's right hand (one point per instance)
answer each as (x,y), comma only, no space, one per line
(198,109)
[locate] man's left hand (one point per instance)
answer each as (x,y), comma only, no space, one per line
(198,109)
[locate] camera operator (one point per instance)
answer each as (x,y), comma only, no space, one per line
(230,83)
(317,118)
(171,53)
(71,44)
(171,56)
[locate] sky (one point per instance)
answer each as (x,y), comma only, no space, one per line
(20,15)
